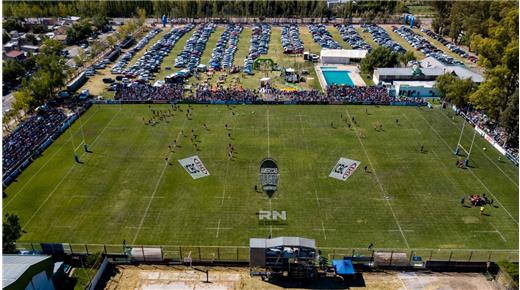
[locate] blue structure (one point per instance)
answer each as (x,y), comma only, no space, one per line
(164,20)
(343,267)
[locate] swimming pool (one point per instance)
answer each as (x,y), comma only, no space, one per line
(338,77)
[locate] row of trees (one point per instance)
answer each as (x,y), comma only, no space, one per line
(493,34)
(49,77)
(198,8)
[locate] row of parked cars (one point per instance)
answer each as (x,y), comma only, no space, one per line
(150,62)
(291,42)
(382,38)
(224,51)
(349,34)
(421,44)
(123,61)
(322,36)
(259,44)
(453,47)
(190,56)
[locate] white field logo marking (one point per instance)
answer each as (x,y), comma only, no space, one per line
(344,168)
(194,166)
(267,215)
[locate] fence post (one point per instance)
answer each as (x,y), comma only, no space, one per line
(32,246)
(352,257)
(142,250)
(372,258)
(86,248)
(391,256)
(180,253)
(411,255)
(105,248)
(218,253)
(162,254)
(489,257)
(237,253)
(449,259)
(333,254)
(431,254)
(200,259)
(470,255)
(71,251)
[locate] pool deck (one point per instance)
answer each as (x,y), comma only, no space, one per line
(353,73)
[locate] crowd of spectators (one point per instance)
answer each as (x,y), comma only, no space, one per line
(490,127)
(144,92)
(205,94)
(29,135)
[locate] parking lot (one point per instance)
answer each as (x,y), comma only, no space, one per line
(163,52)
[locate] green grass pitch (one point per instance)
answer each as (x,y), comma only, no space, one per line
(125,190)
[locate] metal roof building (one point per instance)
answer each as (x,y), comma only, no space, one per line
(341,56)
(27,272)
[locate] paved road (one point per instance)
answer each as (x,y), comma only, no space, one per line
(7,102)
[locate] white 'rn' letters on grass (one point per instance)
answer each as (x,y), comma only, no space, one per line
(344,168)
(194,167)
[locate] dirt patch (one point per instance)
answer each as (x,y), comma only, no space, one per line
(149,277)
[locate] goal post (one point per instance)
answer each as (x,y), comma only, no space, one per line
(460,147)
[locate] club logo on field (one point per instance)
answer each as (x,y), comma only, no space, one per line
(344,168)
(269,176)
(194,166)
(272,217)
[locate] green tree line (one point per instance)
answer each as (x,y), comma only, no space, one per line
(198,8)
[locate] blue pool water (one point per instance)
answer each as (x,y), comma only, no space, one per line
(338,77)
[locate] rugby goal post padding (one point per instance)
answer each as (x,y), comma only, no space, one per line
(459,147)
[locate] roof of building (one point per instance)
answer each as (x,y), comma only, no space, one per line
(14,53)
(461,71)
(14,266)
(282,241)
(350,53)
(406,71)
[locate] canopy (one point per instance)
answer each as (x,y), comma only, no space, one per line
(343,267)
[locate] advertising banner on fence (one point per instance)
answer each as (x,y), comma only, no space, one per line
(344,168)
(193,165)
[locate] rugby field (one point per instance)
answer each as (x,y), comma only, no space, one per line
(125,190)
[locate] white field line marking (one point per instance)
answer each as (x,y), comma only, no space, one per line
(314,184)
(66,174)
(218,226)
(270,226)
(45,164)
(484,153)
(471,171)
(158,183)
(268,135)
(317,199)
(502,236)
(383,191)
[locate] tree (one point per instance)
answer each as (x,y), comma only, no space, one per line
(23,100)
(509,119)
(51,46)
(406,57)
(11,231)
(378,57)
(99,21)
(454,89)
(80,58)
(12,70)
(12,24)
(141,16)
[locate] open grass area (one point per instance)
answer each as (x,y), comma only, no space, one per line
(125,190)
(337,37)
(367,37)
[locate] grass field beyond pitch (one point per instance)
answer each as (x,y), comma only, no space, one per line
(124,190)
